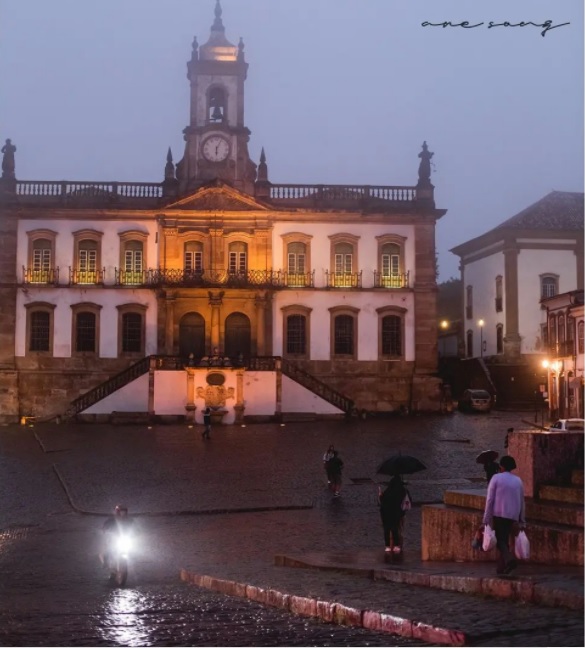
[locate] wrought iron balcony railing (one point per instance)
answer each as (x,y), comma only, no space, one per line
(343,279)
(46,276)
(86,277)
(399,280)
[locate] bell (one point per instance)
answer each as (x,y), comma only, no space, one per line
(216,115)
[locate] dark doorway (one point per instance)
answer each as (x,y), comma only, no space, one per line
(237,336)
(192,336)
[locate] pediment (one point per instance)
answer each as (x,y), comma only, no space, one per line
(218,198)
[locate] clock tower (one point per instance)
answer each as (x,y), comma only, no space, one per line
(216,138)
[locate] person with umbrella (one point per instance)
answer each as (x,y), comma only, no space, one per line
(392,513)
(490,465)
(335,465)
(395,500)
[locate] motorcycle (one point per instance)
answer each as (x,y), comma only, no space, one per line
(121,545)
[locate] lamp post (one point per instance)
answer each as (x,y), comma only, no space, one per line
(481,324)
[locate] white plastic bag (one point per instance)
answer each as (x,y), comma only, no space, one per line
(406,503)
(489,538)
(522,546)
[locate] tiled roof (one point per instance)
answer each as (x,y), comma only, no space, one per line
(559,210)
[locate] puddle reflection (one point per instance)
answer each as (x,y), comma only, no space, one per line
(123,623)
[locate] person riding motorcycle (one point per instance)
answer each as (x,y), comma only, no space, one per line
(116,525)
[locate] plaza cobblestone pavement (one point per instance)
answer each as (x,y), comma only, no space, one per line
(224,508)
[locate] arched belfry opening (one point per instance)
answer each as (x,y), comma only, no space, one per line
(216,105)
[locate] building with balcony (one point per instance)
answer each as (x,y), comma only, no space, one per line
(334,284)
(563,361)
(507,274)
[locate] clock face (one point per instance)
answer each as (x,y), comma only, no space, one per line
(216,148)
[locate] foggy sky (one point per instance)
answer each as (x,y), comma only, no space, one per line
(338,91)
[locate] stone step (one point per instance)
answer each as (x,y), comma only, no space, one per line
(447,532)
(569,494)
(577,478)
(536,511)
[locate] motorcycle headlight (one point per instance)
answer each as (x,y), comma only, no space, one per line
(124,544)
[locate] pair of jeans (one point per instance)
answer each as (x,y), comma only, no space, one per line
(503,528)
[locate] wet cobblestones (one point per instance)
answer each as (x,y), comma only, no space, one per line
(53,591)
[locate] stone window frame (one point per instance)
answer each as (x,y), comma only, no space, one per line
(350,239)
(44,307)
(499,301)
(383,312)
(304,311)
(125,309)
(396,239)
(76,309)
(469,301)
(87,235)
(129,237)
(213,87)
(196,237)
(353,312)
(548,279)
(469,344)
(499,338)
(41,234)
(296,237)
(580,340)
(238,237)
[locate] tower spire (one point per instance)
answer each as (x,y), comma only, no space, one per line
(217,23)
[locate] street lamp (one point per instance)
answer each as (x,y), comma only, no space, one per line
(481,324)
(444,325)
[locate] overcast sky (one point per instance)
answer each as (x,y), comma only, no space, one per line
(338,91)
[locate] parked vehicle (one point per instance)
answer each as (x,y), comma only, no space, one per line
(475,400)
(568,425)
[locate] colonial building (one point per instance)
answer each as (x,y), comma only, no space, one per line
(563,344)
(307,298)
(506,273)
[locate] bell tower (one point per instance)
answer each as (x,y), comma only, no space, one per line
(216,137)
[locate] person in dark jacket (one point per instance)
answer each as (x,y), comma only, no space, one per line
(392,513)
(335,465)
(207,423)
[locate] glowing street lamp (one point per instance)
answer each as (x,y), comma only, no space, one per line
(481,324)
(444,325)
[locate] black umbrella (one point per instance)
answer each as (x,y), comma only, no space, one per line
(487,456)
(400,465)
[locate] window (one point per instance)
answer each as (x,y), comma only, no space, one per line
(548,286)
(86,328)
(343,261)
(297,261)
(131,327)
(343,258)
(238,262)
(499,338)
(392,336)
(561,330)
(499,294)
(344,331)
(296,335)
(580,342)
(296,320)
(469,344)
(217,106)
(41,251)
(193,258)
(39,328)
(552,331)
(87,258)
(469,302)
(132,258)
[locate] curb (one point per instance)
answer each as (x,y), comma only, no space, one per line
(331,612)
(218,511)
(503,588)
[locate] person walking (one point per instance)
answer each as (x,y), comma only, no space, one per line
(335,468)
(206,434)
(326,459)
(392,512)
(504,511)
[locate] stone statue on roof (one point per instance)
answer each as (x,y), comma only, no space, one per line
(424,169)
(8,151)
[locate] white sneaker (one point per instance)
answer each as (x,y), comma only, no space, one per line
(396,550)
(388,550)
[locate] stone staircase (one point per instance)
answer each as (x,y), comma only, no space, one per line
(554,525)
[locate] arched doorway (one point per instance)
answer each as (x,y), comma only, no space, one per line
(192,335)
(237,336)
